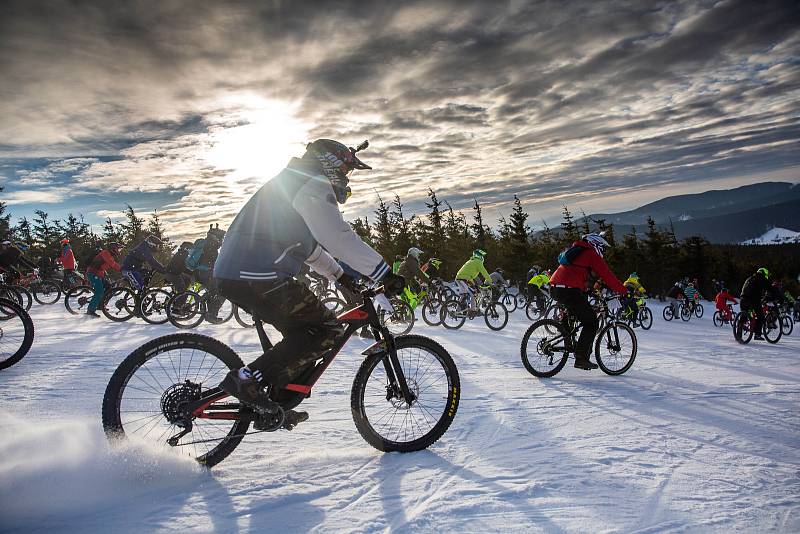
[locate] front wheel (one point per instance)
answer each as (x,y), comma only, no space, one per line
(509,302)
(186,309)
(686,313)
(119,304)
(646,318)
(772,328)
(698,310)
(154,306)
(432,312)
(453,314)
(718,319)
(146,395)
(25,298)
(46,292)
(787,325)
(496,316)
(615,348)
(16,333)
(742,328)
(400,320)
(381,414)
(243,317)
(668,313)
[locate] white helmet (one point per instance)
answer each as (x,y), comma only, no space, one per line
(597,241)
(414,251)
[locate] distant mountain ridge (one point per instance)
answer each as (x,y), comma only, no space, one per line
(721,216)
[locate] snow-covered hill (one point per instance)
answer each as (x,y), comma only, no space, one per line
(775,236)
(702,434)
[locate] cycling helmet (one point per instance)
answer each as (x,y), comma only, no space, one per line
(6,243)
(114,247)
(65,241)
(337,161)
(690,284)
(764,271)
(152,241)
(536,269)
(415,252)
(634,276)
(479,254)
(499,270)
(597,241)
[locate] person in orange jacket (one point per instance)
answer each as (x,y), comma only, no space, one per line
(721,301)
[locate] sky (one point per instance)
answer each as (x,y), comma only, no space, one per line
(187,107)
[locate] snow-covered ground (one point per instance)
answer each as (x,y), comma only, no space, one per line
(702,434)
(775,236)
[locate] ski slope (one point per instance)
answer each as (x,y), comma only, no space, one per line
(701,435)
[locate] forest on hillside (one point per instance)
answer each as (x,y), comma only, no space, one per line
(656,254)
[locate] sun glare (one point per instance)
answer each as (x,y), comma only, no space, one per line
(269,134)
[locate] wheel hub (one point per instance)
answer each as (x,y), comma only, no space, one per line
(175,400)
(395,396)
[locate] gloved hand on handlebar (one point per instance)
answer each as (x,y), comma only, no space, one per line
(349,283)
(393,284)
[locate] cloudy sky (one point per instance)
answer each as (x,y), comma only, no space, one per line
(188,106)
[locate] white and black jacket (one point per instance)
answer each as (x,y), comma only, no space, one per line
(294,219)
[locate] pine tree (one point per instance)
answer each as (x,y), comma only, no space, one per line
(519,234)
(404,237)
(23,231)
(384,234)
(44,232)
(431,234)
(478,227)
(112,232)
(5,220)
(133,229)
(568,228)
(362,229)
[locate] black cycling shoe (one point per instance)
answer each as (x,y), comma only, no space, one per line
(250,391)
(758,337)
(292,418)
(586,365)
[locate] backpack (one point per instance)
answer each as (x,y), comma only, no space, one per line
(195,254)
(569,255)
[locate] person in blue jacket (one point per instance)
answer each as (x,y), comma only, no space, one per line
(140,262)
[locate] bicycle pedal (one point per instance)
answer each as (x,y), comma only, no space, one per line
(293,418)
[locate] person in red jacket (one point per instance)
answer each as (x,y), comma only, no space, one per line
(721,301)
(67,261)
(96,273)
(568,285)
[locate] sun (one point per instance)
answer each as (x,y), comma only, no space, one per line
(255,137)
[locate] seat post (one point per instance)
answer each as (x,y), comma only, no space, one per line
(266,344)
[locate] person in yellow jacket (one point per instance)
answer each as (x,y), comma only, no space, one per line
(469,272)
(635,290)
(538,279)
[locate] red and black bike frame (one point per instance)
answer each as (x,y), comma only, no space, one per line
(209,407)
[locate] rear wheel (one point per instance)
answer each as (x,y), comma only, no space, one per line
(544,348)
(615,348)
(25,298)
(509,302)
(496,316)
(382,416)
(119,304)
(16,333)
(686,313)
(46,292)
(77,299)
(146,396)
(335,304)
(453,314)
(400,320)
(154,306)
(742,331)
(186,309)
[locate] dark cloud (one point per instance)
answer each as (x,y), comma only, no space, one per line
(477,99)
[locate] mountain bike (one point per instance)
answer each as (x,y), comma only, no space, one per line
(43,291)
(745,325)
(16,333)
(457,310)
(15,293)
(547,344)
(404,396)
(691,308)
(187,309)
(723,317)
(128,300)
(641,316)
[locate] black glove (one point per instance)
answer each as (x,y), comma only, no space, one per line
(393,284)
(349,283)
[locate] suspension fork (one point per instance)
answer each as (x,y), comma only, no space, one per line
(395,373)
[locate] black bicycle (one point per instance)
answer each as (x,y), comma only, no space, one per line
(16,333)
(404,395)
(547,344)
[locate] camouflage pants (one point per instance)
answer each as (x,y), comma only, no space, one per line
(309,329)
